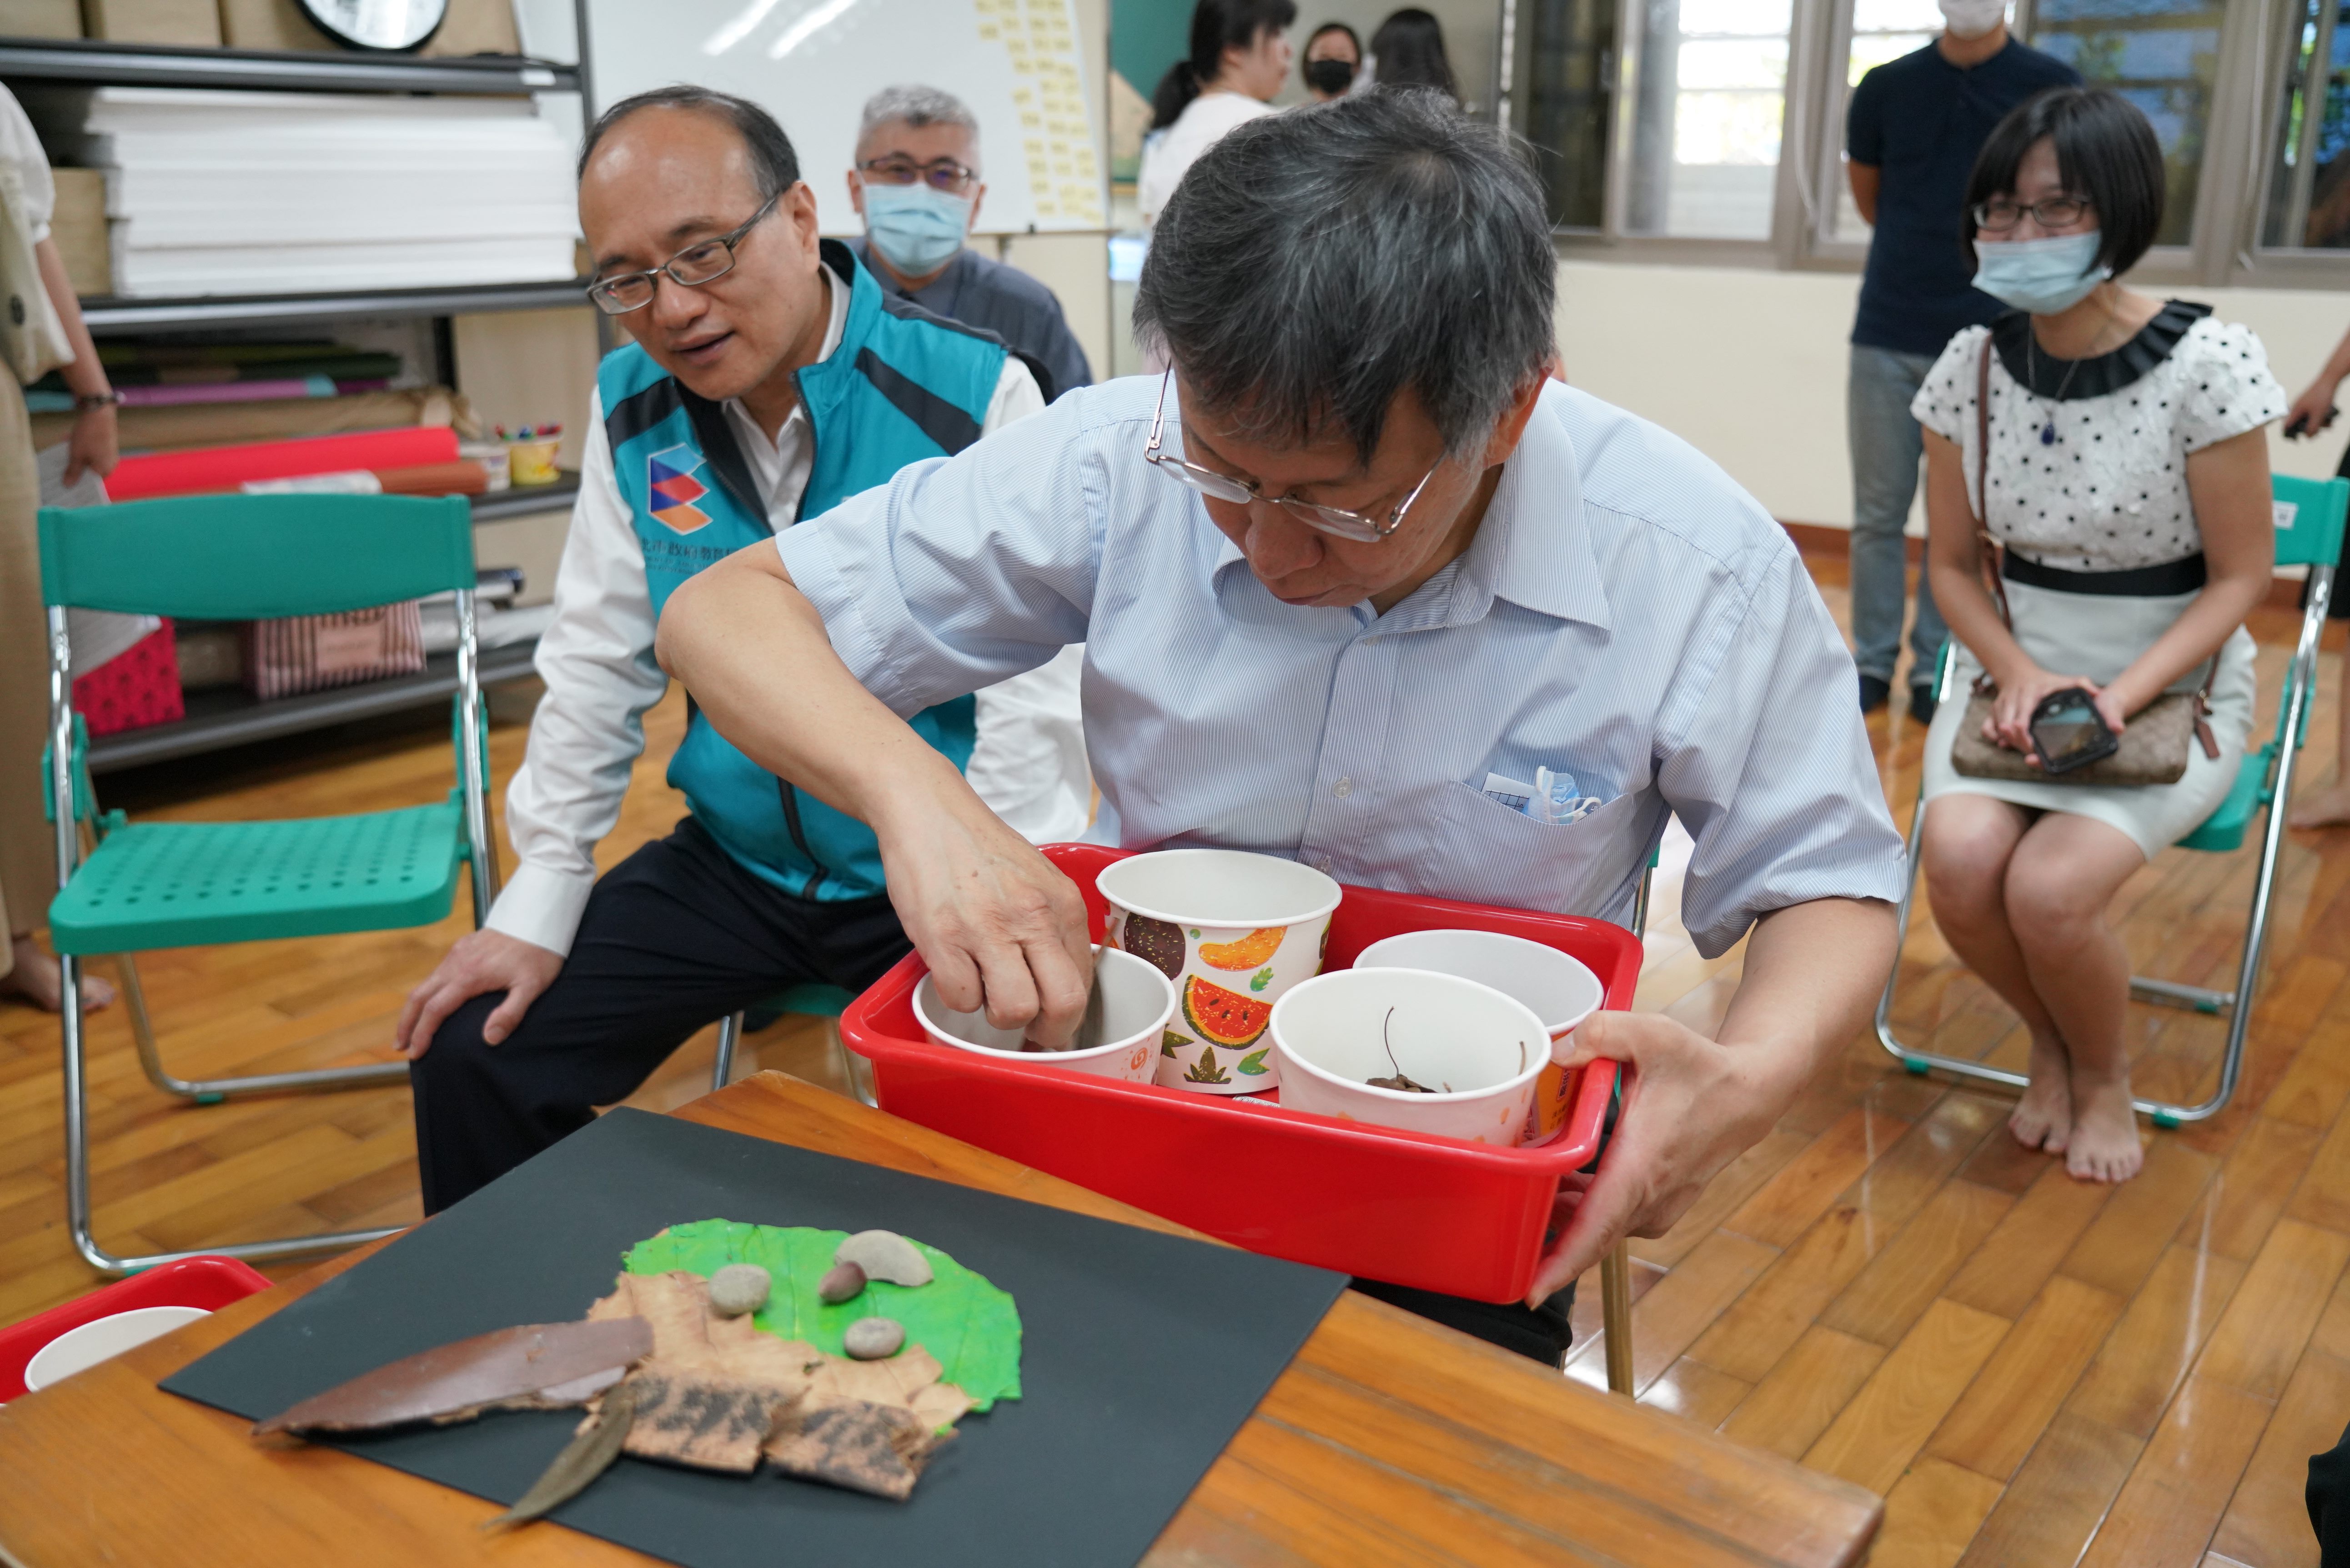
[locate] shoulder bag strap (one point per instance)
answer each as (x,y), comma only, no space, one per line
(1989,558)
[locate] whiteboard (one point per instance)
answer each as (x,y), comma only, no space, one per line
(813,63)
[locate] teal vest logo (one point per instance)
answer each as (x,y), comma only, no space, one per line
(903,386)
(669,479)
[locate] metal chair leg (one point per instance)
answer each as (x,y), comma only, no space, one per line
(730,1031)
(1616,1266)
(1616,1317)
(211,1091)
(78,1205)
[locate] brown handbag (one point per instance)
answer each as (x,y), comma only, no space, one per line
(2153,744)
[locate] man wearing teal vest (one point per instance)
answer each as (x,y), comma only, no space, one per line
(770,378)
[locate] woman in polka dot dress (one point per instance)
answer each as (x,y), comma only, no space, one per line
(2128,480)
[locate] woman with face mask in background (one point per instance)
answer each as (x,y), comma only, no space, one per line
(2127,477)
(1239,59)
(1334,57)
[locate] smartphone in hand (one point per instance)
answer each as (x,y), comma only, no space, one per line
(2069,732)
(2299,427)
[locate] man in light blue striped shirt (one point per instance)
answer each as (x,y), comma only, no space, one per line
(1354,554)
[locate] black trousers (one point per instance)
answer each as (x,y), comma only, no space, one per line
(673,938)
(2328,1497)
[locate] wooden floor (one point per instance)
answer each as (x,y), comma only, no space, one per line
(1887,1288)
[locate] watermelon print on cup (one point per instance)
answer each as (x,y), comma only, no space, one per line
(1233,931)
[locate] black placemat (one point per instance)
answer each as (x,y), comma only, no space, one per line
(1143,1354)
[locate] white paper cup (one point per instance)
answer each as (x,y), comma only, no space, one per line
(1137,1003)
(1334,1033)
(1232,931)
(101,1339)
(1562,990)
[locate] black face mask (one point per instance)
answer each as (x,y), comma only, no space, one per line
(1328,76)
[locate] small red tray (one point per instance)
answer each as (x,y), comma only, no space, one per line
(1407,1208)
(207,1282)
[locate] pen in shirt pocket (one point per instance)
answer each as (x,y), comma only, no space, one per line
(1551,798)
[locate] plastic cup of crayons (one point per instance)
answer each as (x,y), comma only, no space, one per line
(530,453)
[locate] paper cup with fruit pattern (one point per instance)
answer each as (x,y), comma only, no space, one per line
(1232,930)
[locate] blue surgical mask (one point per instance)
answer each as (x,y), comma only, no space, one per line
(917,229)
(2043,276)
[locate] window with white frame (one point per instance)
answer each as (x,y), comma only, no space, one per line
(1882,31)
(2164,57)
(2308,200)
(1709,100)
(1660,122)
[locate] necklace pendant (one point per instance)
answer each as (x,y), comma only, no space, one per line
(2048,433)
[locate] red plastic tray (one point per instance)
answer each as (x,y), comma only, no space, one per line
(1407,1208)
(207,1282)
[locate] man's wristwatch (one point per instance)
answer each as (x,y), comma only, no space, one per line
(86,402)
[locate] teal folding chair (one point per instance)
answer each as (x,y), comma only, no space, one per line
(825,1001)
(2309,514)
(147,885)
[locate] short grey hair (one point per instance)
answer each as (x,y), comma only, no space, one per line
(1313,265)
(774,166)
(917,106)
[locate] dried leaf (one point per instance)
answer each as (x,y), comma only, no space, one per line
(533,1364)
(585,1458)
(909,1380)
(687,1337)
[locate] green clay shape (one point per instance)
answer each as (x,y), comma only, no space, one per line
(971,1326)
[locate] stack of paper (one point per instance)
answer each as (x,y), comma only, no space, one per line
(252,192)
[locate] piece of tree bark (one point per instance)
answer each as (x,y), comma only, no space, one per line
(854,1443)
(710,1423)
(537,1365)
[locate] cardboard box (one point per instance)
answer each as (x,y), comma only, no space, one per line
(477,28)
(79,227)
(470,27)
(40,18)
(185,24)
(269,24)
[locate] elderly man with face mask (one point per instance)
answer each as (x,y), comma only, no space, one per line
(768,378)
(1355,551)
(1911,132)
(917,185)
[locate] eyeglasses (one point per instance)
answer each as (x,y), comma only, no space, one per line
(2055,212)
(1240,492)
(939,174)
(706,261)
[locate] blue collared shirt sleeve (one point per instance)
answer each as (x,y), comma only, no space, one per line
(1772,776)
(962,571)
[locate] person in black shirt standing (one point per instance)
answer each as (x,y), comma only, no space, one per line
(1911,134)
(917,186)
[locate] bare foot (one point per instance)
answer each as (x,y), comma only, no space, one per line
(38,979)
(2105,1132)
(2044,1117)
(2326,808)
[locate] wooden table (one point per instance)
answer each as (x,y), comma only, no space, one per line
(1388,1439)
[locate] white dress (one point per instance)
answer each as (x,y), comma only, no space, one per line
(1167,156)
(2107,495)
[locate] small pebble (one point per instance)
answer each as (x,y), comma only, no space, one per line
(874,1338)
(739,1288)
(885,1255)
(842,1281)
